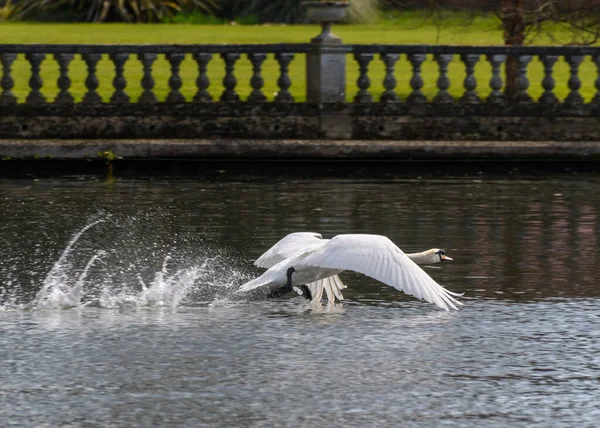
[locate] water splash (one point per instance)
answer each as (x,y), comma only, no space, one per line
(165,290)
(57,290)
(113,278)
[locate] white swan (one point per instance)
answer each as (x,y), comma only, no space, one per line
(306,258)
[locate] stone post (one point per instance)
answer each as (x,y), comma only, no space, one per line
(326,61)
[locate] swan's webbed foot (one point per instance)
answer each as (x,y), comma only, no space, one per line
(281,291)
(305,292)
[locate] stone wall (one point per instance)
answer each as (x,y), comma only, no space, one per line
(302,121)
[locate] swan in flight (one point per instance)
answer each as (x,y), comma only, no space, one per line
(311,263)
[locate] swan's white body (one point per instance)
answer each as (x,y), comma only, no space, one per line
(317,262)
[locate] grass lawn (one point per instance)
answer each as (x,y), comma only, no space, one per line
(483,31)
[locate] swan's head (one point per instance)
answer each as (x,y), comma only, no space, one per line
(442,255)
(435,255)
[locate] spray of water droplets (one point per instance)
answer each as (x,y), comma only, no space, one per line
(129,273)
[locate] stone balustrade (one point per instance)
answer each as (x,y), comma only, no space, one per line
(497,56)
(356,112)
(364,56)
(146,55)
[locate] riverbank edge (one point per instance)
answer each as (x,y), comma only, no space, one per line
(249,149)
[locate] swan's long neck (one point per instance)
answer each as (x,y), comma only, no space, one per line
(425,258)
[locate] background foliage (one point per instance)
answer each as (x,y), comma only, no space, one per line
(183,11)
(104,10)
(522,21)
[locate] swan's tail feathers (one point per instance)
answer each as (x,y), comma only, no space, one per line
(316,290)
(332,287)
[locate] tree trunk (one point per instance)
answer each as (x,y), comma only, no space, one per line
(513,21)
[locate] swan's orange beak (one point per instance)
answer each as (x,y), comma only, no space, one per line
(445,258)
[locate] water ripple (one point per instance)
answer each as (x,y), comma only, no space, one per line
(131,323)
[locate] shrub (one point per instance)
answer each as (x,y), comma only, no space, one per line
(6,10)
(280,11)
(110,10)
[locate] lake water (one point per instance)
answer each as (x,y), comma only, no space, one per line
(116,308)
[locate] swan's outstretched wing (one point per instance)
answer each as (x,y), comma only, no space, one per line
(379,258)
(332,286)
(290,246)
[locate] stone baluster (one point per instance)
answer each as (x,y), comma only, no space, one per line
(574,98)
(470,84)
(548,83)
(119,82)
(389,81)
(91,81)
(363,82)
(202,82)
(175,83)
(284,81)
(229,81)
(35,81)
(443,81)
(416,82)
(256,81)
(148,96)
(596,99)
(64,82)
(522,82)
(7,97)
(496,96)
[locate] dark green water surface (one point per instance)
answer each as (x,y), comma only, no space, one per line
(152,338)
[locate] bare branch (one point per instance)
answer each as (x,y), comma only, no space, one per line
(522,20)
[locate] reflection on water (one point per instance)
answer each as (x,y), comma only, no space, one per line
(155,340)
